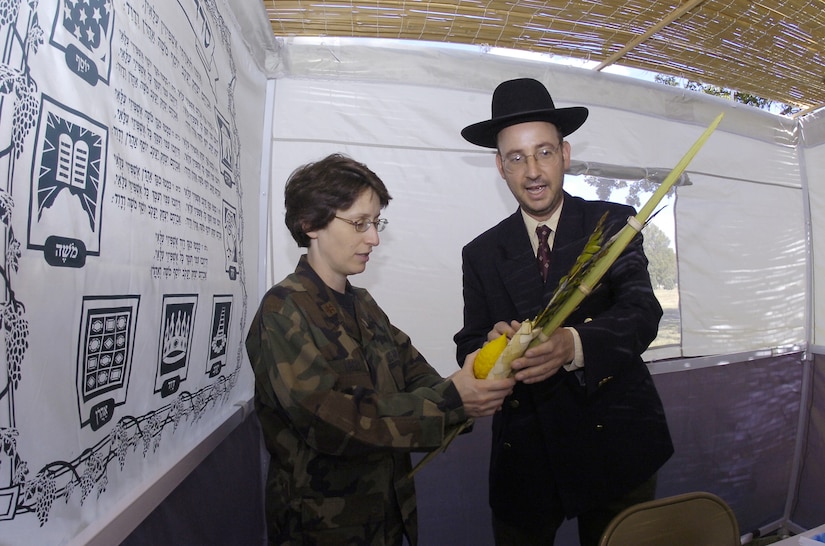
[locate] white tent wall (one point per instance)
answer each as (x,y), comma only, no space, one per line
(814,162)
(742,280)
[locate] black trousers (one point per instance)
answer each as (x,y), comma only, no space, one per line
(591,523)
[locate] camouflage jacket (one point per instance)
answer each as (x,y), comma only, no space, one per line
(341,416)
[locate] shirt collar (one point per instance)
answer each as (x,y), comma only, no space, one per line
(531,224)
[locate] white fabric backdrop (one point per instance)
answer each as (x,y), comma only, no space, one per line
(741,268)
(814,161)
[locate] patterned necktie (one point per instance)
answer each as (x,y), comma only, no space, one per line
(543,253)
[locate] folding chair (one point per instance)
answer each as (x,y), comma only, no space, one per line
(690,519)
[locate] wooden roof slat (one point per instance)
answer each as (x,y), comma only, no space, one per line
(770,48)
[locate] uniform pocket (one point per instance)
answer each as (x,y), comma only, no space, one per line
(351,373)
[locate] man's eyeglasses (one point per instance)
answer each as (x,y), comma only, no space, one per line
(516,163)
(362,226)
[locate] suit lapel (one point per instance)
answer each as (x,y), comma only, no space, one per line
(517,267)
(568,243)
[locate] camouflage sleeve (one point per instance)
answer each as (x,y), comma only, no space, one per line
(336,402)
(423,379)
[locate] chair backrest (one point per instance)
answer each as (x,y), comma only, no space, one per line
(690,519)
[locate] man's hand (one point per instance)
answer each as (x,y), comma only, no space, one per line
(481,397)
(544,360)
(503,328)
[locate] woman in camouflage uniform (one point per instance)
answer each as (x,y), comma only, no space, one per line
(342,395)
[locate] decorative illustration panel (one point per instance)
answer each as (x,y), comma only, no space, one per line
(122,218)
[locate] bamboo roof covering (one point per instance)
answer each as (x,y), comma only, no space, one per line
(771,49)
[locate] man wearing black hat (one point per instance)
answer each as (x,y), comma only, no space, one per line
(584,432)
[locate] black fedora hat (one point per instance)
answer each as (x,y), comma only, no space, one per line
(519,101)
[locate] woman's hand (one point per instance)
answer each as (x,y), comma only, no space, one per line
(481,397)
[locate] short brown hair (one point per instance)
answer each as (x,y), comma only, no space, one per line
(316,191)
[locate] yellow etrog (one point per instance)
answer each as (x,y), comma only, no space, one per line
(486,358)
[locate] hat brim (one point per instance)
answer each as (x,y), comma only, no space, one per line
(485,133)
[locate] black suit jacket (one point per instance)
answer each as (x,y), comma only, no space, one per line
(581,438)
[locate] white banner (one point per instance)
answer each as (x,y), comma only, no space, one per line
(128,128)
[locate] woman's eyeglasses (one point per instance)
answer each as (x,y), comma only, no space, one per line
(362,226)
